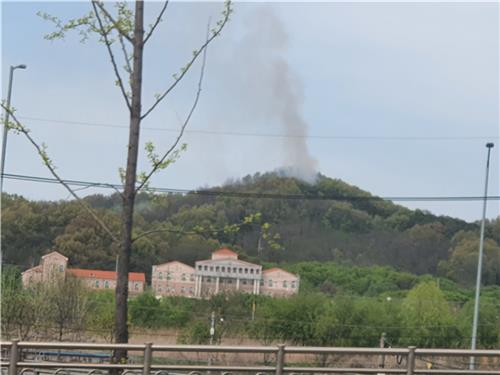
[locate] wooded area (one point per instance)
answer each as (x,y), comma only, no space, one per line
(357,230)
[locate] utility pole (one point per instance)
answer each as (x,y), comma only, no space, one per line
(212,334)
(381,359)
(6,123)
(489,146)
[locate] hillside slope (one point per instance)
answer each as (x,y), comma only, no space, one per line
(334,222)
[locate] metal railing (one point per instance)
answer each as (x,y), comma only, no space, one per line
(407,364)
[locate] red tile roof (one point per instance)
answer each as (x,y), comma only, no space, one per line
(109,275)
(224,251)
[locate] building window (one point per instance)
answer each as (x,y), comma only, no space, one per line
(229,269)
(191,277)
(199,267)
(270,284)
(159,288)
(261,282)
(190,290)
(97,283)
(183,277)
(209,280)
(136,286)
(293,285)
(285,284)
(246,270)
(251,271)
(206,268)
(257,271)
(211,268)
(169,276)
(240,270)
(61,268)
(217,269)
(160,275)
(106,284)
(234,269)
(244,282)
(223,269)
(229,281)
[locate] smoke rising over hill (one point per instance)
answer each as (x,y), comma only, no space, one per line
(273,91)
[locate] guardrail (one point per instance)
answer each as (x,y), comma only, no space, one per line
(16,365)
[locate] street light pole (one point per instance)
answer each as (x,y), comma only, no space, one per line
(6,119)
(489,146)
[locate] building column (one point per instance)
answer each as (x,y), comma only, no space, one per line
(196,285)
(197,289)
(237,283)
(217,285)
(258,286)
(254,291)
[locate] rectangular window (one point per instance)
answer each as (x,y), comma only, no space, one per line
(257,271)
(261,282)
(240,270)
(244,282)
(217,269)
(183,277)
(97,283)
(246,270)
(191,277)
(206,268)
(293,285)
(251,271)
(211,268)
(285,284)
(199,267)
(160,275)
(270,284)
(223,269)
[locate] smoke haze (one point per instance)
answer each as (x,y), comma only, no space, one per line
(273,93)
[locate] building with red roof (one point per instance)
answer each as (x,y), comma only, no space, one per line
(222,273)
(55,264)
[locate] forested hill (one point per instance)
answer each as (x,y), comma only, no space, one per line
(361,231)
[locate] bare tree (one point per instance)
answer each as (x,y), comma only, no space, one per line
(123,28)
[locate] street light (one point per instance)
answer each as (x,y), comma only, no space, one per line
(489,146)
(6,119)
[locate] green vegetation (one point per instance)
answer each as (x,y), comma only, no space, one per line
(361,232)
(339,305)
(367,266)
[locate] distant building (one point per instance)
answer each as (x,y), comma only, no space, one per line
(54,265)
(223,273)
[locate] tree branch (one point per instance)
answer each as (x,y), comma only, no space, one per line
(158,164)
(112,20)
(111,55)
(125,56)
(40,149)
(215,32)
(158,20)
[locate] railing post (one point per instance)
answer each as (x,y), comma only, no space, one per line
(280,359)
(411,360)
(148,356)
(14,357)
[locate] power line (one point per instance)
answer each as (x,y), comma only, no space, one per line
(255,195)
(267,135)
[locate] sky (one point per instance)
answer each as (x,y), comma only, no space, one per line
(396,98)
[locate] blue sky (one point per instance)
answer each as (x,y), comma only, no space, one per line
(353,69)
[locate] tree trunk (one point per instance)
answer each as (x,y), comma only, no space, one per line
(130,181)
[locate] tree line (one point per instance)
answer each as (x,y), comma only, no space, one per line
(330,310)
(361,232)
